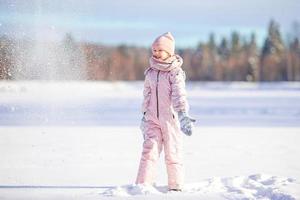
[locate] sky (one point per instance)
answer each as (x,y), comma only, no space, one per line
(138,22)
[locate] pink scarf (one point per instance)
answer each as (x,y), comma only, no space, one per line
(167,65)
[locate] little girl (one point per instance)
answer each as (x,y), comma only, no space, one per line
(164,114)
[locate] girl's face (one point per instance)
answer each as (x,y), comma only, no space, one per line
(160,54)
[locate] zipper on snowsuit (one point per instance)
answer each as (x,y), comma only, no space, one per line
(157,109)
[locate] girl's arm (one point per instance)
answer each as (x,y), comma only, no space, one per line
(146,94)
(178,92)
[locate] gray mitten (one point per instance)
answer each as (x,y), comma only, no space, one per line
(186,123)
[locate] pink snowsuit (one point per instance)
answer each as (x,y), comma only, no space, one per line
(164,96)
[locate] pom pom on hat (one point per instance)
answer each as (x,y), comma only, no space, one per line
(165,42)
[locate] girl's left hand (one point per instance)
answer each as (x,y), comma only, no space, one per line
(186,123)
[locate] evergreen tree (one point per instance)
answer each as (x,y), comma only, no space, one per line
(253,60)
(212,43)
(294,64)
(273,60)
(223,49)
(253,45)
(235,43)
(273,43)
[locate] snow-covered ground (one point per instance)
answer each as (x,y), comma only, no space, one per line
(80,140)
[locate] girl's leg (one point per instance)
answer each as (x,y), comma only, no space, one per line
(152,148)
(172,138)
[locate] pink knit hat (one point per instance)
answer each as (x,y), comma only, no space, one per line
(165,42)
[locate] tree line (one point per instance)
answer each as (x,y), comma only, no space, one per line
(232,59)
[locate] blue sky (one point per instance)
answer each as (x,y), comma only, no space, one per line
(139,22)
